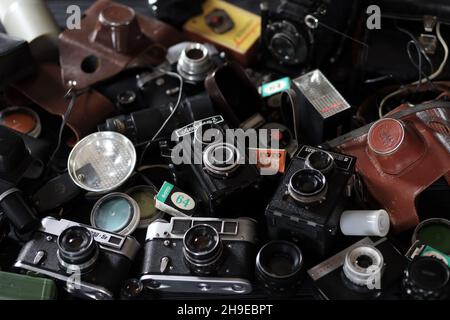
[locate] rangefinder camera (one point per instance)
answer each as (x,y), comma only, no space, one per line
(90,262)
(200,255)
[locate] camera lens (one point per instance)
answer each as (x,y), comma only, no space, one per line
(195,54)
(202,249)
(221,159)
(427,278)
(321,161)
(194,63)
(286,43)
(363,266)
(278,265)
(77,249)
(307,186)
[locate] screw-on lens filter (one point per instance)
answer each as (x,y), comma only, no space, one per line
(434,232)
(145,198)
(116,212)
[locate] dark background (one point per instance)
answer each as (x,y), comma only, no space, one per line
(59,7)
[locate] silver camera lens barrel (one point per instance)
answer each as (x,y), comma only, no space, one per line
(202,248)
(363,265)
(194,63)
(77,249)
(82,267)
(224,166)
(320,160)
(307,186)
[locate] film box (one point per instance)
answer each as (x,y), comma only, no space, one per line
(171,200)
(240,42)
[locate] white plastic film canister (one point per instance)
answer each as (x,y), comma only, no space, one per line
(365,223)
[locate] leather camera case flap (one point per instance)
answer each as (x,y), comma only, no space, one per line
(419,157)
(112,36)
(46,90)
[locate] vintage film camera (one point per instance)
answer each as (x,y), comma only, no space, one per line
(368,269)
(200,255)
(216,164)
(289,45)
(140,126)
(310,199)
(90,262)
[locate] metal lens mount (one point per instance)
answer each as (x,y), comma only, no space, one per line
(307,186)
(320,160)
(363,265)
(202,248)
(194,63)
(221,159)
(77,250)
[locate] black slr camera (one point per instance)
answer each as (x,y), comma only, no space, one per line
(216,163)
(91,263)
(291,38)
(310,199)
(200,255)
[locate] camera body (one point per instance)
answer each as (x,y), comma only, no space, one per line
(216,165)
(308,203)
(289,45)
(179,259)
(53,252)
(140,126)
(369,269)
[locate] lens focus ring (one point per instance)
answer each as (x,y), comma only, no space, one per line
(77,250)
(202,248)
(221,159)
(278,265)
(307,186)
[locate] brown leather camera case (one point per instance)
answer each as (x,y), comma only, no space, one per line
(398,159)
(112,37)
(46,90)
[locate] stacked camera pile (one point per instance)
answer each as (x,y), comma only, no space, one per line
(140,162)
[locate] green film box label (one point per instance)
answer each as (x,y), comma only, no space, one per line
(171,200)
(274,87)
